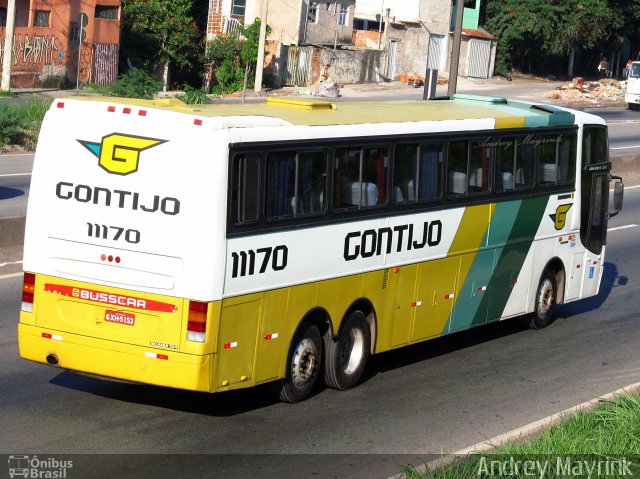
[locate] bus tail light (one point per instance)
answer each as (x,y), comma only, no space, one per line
(28,288)
(197,324)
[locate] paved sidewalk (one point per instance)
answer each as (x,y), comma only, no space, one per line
(521,88)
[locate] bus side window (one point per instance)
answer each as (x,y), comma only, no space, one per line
(457,168)
(567,159)
(282,198)
(296,183)
(245,188)
(547,166)
(478,168)
(595,147)
(525,161)
(404,174)
(312,181)
(360,177)
(430,172)
(505,164)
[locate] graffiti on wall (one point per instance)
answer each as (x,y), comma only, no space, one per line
(35,50)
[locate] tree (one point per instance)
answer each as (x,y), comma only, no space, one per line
(166,28)
(233,57)
(539,32)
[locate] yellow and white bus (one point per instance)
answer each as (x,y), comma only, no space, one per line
(218,247)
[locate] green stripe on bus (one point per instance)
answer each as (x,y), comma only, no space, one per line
(470,237)
(510,259)
(469,308)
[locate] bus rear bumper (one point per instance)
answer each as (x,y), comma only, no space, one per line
(632,98)
(115,360)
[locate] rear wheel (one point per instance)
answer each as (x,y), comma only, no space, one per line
(303,366)
(545,301)
(346,357)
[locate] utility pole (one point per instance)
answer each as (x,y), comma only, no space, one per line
(380,25)
(257,87)
(7,56)
(455,53)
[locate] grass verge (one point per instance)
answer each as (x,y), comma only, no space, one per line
(586,445)
(20,124)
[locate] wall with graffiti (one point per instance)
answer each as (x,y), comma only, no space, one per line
(45,50)
(35,58)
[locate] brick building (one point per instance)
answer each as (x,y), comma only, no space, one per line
(47,38)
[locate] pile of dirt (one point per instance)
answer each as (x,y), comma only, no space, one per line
(589,91)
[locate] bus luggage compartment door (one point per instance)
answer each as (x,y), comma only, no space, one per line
(237,340)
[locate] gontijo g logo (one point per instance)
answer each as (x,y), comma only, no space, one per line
(119,154)
(559,218)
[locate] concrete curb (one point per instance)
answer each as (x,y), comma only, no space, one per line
(628,167)
(523,432)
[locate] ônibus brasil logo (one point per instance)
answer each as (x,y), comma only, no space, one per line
(119,154)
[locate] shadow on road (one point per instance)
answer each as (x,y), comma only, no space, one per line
(238,402)
(611,279)
(8,193)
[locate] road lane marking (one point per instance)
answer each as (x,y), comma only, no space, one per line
(15,174)
(625,147)
(9,264)
(8,156)
(622,227)
(12,275)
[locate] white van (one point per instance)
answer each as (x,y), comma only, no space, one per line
(632,96)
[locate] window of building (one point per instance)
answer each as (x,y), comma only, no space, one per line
(41,18)
(106,12)
(312,12)
(343,16)
(238,8)
(74,32)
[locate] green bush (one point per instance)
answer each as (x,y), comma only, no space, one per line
(20,124)
(135,83)
(10,124)
(193,96)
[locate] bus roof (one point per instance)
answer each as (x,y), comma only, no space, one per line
(313,112)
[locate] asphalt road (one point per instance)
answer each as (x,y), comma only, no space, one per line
(436,397)
(15,178)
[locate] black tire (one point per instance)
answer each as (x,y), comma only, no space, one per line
(545,301)
(303,366)
(346,356)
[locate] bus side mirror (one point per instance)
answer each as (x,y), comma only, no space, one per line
(618,196)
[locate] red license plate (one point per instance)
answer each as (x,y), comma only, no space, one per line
(119,317)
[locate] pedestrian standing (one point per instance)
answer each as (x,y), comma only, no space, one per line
(603,67)
(627,68)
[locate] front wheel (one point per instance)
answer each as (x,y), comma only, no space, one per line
(303,366)
(545,301)
(346,357)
